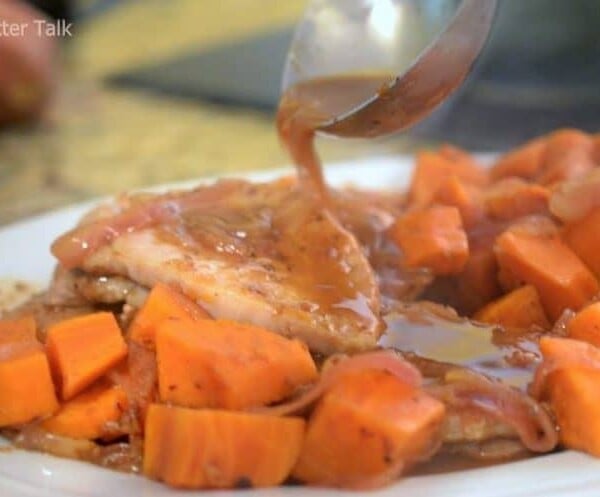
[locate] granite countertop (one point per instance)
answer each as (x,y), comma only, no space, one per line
(98,140)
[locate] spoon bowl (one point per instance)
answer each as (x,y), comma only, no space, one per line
(424,47)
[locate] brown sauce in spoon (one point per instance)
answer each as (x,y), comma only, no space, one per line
(308,105)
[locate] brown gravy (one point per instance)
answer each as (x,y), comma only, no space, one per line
(308,105)
(489,350)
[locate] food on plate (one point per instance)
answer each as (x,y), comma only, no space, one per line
(257,245)
(366,429)
(228,365)
(83,349)
(255,334)
(219,449)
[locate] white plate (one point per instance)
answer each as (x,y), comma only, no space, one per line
(24,254)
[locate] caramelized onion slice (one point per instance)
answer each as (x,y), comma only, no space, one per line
(340,365)
(465,388)
(118,456)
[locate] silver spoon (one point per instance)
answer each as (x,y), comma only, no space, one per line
(429,45)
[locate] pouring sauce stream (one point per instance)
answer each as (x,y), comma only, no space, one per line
(308,105)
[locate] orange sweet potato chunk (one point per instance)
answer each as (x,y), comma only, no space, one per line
(569,153)
(465,197)
(26,388)
(544,261)
(162,303)
(512,198)
(89,415)
(18,329)
(477,284)
(205,449)
(583,236)
(18,336)
(432,169)
(574,392)
(433,238)
(224,364)
(520,308)
(523,162)
(368,424)
(82,349)
(585,325)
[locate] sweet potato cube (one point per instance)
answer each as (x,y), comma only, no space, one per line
(575,398)
(568,154)
(583,236)
(366,424)
(512,198)
(18,330)
(585,325)
(90,414)
(574,392)
(162,303)
(477,284)
(432,238)
(520,308)
(523,162)
(205,449)
(82,349)
(544,261)
(432,169)
(224,364)
(466,198)
(26,388)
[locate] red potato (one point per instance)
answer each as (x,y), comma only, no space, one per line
(28,64)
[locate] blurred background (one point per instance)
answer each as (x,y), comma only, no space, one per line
(151,91)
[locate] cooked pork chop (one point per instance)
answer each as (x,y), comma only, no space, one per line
(266,254)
